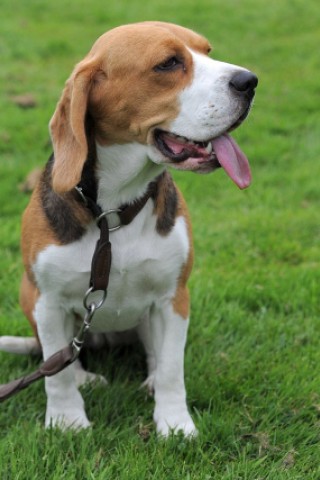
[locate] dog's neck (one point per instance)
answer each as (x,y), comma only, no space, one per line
(123,173)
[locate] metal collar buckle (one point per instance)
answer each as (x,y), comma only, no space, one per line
(82,195)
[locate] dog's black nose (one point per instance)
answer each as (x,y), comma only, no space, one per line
(244,82)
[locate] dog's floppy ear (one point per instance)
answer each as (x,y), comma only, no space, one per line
(67,128)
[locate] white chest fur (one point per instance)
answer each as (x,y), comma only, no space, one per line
(145,269)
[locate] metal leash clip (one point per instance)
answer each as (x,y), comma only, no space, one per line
(78,340)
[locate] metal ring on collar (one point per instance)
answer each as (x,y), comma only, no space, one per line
(109,212)
(88,306)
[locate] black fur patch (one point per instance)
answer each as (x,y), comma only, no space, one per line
(58,209)
(166,203)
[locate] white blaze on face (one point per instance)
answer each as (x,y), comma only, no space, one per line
(197,139)
(208,106)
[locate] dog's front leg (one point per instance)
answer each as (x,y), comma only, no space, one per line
(169,332)
(65,406)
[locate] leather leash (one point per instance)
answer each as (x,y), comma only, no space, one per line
(99,280)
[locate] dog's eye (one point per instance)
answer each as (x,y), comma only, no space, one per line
(168,65)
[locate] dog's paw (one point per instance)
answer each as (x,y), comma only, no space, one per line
(174,422)
(148,384)
(83,377)
(75,419)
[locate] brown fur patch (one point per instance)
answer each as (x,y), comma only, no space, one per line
(28,296)
(181,302)
(36,232)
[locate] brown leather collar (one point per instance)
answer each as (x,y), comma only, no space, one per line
(126,213)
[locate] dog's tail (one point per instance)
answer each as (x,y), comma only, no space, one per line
(20,345)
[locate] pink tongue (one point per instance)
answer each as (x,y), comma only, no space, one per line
(232,160)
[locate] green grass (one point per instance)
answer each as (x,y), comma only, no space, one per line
(252,359)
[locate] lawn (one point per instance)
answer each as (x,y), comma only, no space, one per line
(253,356)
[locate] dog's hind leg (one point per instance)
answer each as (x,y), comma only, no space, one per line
(84,377)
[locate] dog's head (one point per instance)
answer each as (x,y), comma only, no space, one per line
(153,83)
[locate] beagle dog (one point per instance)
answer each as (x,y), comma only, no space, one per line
(146,97)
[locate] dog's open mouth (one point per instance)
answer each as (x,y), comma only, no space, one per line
(204,157)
